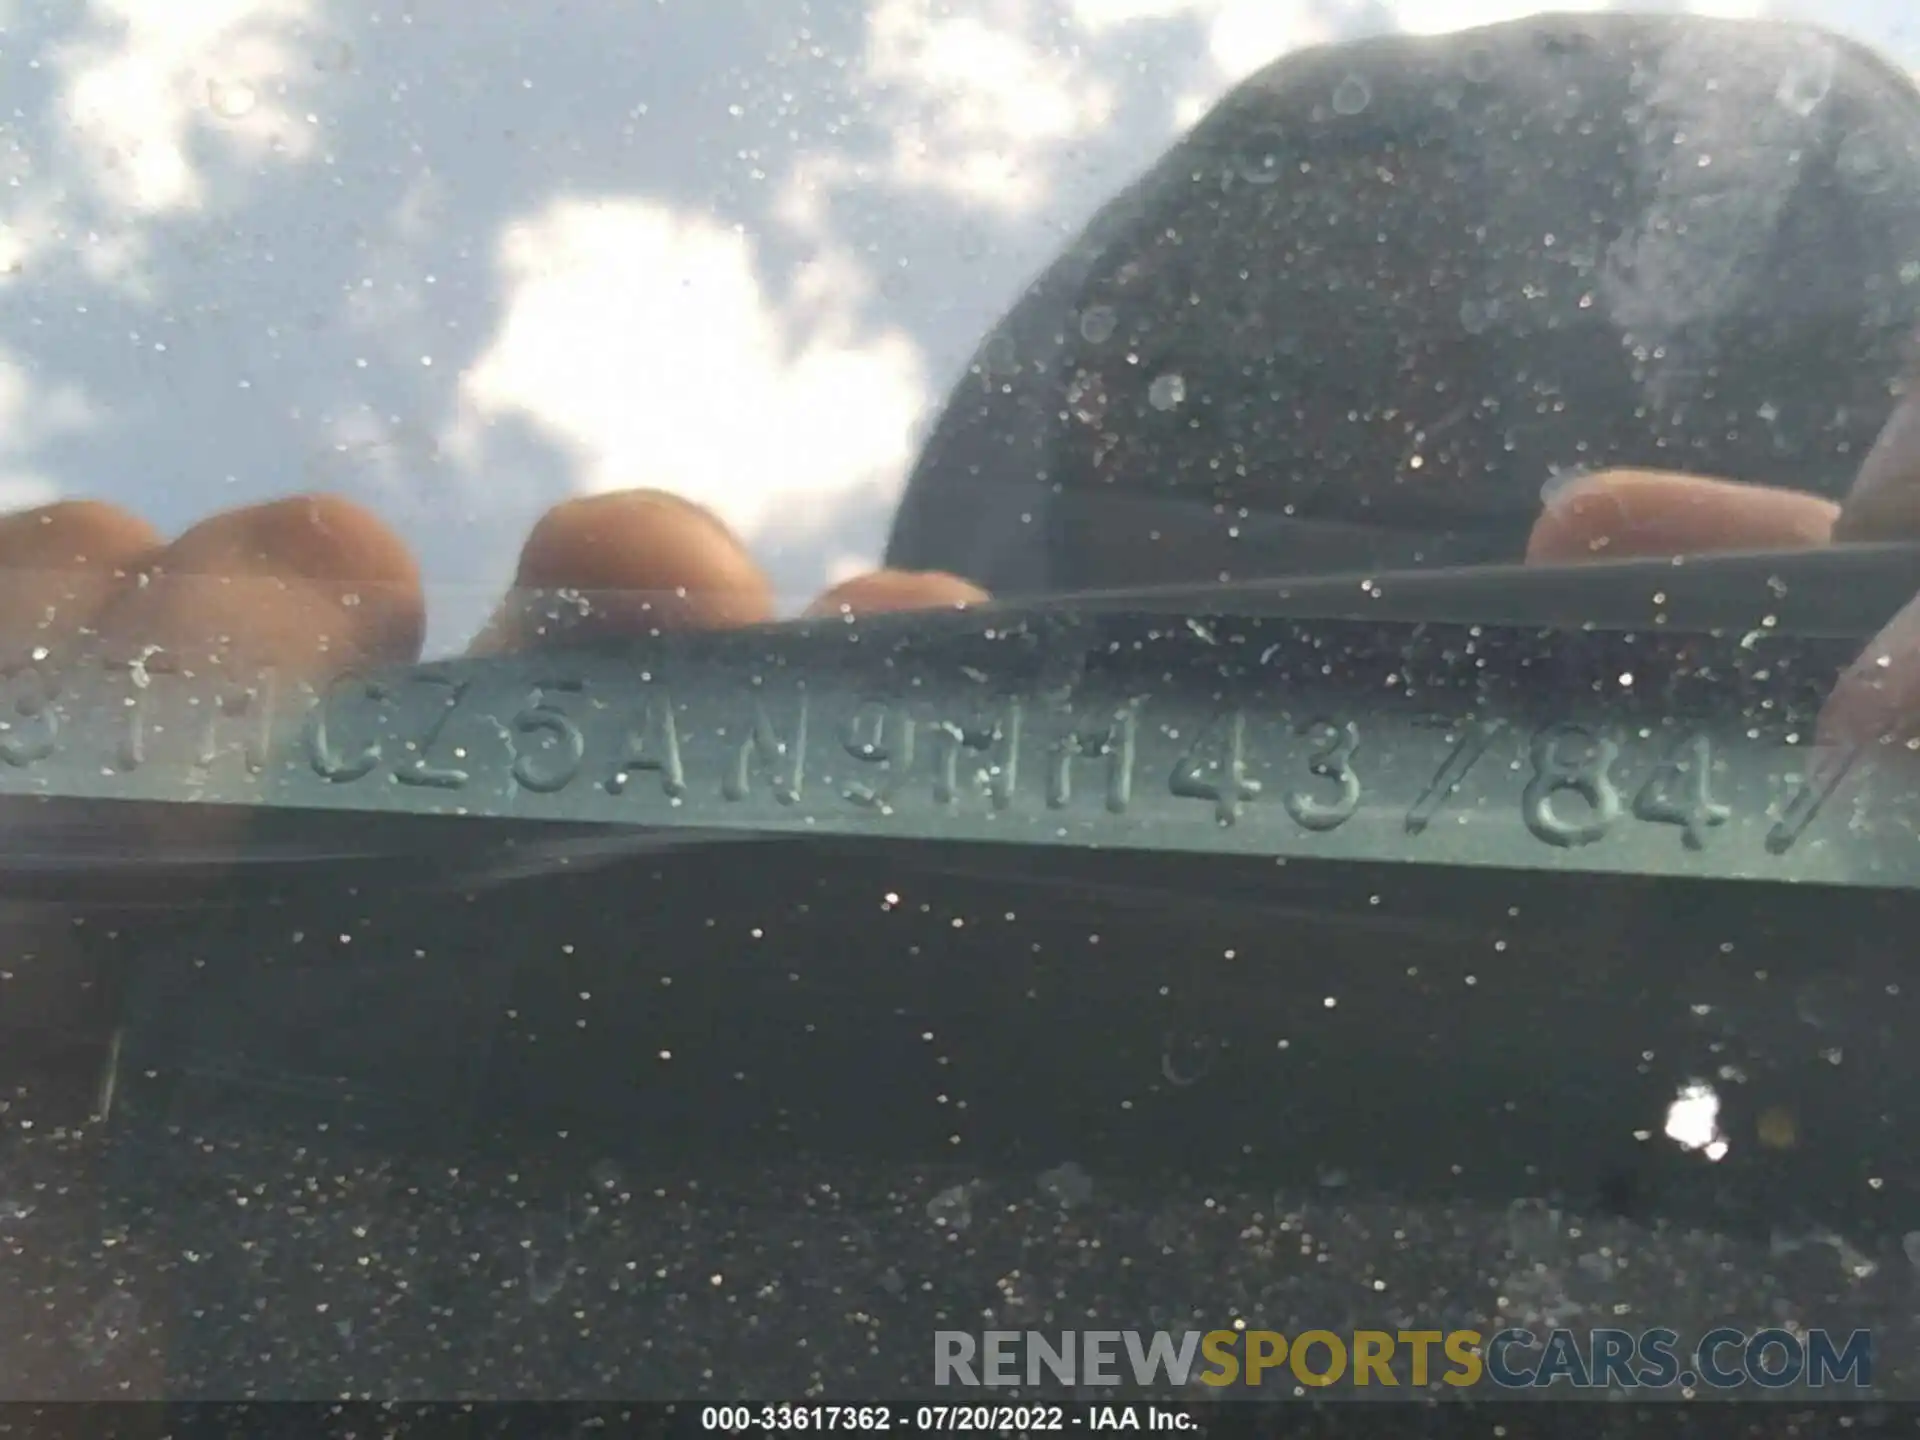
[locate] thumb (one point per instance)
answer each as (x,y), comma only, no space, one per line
(1884,503)
(1653,514)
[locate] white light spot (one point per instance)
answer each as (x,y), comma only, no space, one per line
(1693,1121)
(1166,392)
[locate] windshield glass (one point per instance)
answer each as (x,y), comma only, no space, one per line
(707,702)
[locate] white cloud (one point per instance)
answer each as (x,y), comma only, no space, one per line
(988,99)
(642,340)
(149,76)
(33,413)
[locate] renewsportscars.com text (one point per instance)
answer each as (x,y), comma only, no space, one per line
(1514,1359)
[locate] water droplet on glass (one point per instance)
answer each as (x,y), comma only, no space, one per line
(1533,1226)
(549,1250)
(231,99)
(952,1208)
(1477,315)
(1087,399)
(1187,1059)
(1808,79)
(606,1175)
(107,1327)
(1098,324)
(1598,1265)
(1820,1005)
(999,357)
(1259,163)
(1351,96)
(1854,1262)
(332,56)
(1910,1242)
(1166,392)
(1067,1185)
(1560,481)
(1861,160)
(1478,66)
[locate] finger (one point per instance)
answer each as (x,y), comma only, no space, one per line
(310,585)
(881,591)
(59,566)
(1878,696)
(1628,514)
(632,562)
(1884,503)
(242,610)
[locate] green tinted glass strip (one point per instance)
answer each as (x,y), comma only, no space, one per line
(1654,753)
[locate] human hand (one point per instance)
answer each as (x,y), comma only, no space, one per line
(313,585)
(300,591)
(1627,514)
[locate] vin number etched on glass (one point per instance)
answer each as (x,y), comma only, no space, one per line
(1271,765)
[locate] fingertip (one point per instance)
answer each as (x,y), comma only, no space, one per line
(73,535)
(628,562)
(60,565)
(1638,514)
(317,537)
(883,591)
(1884,500)
(310,581)
(633,540)
(1877,697)
(1578,524)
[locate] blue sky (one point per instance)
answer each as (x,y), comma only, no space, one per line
(462,260)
